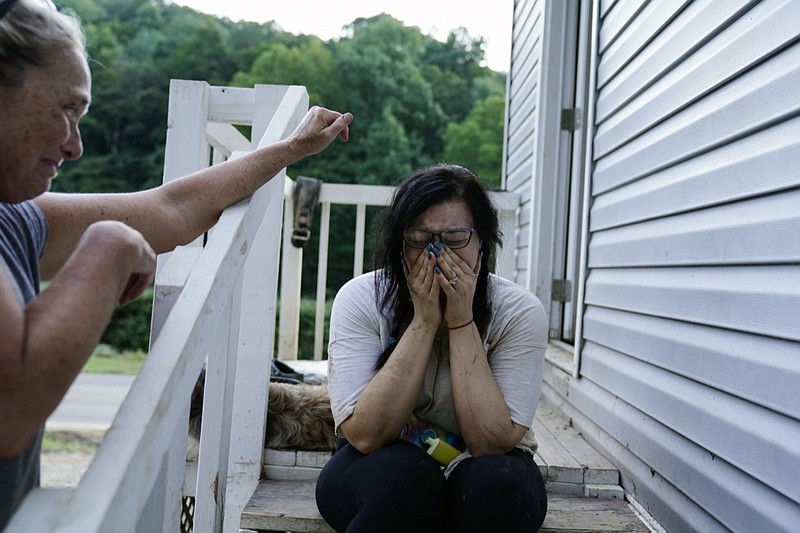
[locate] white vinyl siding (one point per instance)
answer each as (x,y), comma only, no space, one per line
(538,166)
(524,80)
(690,331)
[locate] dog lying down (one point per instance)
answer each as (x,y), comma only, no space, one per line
(298,417)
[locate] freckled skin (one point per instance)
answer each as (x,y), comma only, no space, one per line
(40,125)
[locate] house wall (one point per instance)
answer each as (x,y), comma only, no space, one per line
(536,94)
(524,80)
(690,361)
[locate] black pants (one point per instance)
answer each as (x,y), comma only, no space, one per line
(400,488)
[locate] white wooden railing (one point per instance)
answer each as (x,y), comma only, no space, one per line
(361,197)
(216,301)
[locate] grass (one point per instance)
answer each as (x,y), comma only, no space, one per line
(68,442)
(106,360)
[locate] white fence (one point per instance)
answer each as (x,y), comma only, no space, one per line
(360,196)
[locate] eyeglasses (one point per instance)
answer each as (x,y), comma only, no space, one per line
(454,238)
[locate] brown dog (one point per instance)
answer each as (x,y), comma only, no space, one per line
(298,417)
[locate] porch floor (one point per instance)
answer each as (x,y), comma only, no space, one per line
(584,492)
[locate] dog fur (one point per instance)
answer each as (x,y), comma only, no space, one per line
(299,417)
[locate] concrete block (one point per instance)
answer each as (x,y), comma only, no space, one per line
(312,459)
(557,487)
(280,457)
(291,473)
(593,490)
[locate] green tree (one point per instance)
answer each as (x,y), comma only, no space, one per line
(477,141)
(414,97)
(246,40)
(202,55)
(388,137)
(381,60)
(453,68)
(309,64)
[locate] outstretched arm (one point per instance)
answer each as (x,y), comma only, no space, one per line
(178,212)
(45,344)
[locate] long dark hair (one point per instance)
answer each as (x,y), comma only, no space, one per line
(424,188)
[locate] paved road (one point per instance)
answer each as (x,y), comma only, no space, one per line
(94,399)
(91,403)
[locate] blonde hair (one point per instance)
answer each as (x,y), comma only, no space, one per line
(31,32)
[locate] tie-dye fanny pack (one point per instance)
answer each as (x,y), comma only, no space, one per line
(418,431)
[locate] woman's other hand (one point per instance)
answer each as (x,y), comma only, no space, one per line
(128,243)
(142,275)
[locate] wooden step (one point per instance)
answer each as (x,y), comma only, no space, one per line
(285,505)
(574,514)
(568,463)
(583,486)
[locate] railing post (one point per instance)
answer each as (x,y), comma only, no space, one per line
(258,309)
(291,283)
(361,224)
(186,151)
(322,279)
(212,473)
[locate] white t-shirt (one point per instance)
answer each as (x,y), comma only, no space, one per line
(515,343)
